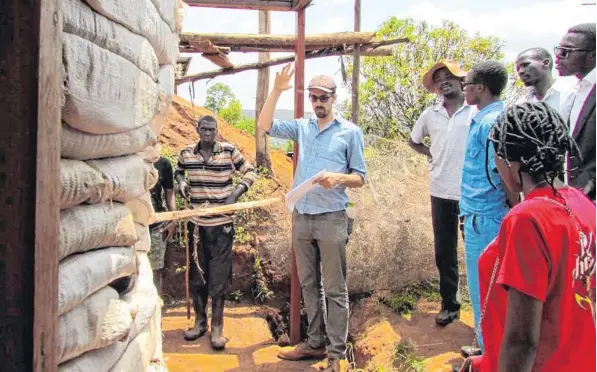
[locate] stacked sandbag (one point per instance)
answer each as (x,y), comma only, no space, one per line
(119,60)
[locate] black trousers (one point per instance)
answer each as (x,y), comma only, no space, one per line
(444,215)
(215,259)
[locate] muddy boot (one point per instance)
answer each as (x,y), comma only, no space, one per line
(218,341)
(199,305)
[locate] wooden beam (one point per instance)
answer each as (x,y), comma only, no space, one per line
(30,98)
(218,59)
(262,156)
(300,4)
(279,5)
(367,50)
(299,112)
(271,62)
(288,41)
(356,65)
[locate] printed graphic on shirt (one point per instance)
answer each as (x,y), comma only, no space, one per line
(584,269)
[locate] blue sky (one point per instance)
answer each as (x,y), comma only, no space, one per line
(522,24)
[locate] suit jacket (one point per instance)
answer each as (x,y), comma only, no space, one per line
(582,171)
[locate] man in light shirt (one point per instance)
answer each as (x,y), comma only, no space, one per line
(534,68)
(446,124)
(576,56)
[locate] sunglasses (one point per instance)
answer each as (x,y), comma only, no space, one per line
(465,84)
(322,99)
(564,52)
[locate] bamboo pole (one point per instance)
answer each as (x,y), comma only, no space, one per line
(210,211)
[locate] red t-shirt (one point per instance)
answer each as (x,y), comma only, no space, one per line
(540,256)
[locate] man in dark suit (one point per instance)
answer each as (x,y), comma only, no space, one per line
(576,56)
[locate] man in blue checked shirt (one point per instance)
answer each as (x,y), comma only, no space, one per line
(319,230)
(484,200)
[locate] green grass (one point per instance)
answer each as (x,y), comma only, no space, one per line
(405,360)
(405,301)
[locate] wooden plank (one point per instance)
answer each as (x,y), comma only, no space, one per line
(277,5)
(263,40)
(262,156)
(210,211)
(300,4)
(269,63)
(356,65)
(299,111)
(30,98)
(219,59)
(206,46)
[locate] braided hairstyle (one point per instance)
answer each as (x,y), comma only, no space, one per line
(536,136)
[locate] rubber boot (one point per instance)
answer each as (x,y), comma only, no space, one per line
(218,341)
(199,305)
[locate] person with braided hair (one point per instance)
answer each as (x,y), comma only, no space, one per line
(537,278)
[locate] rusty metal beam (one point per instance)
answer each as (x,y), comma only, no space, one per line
(279,5)
(299,112)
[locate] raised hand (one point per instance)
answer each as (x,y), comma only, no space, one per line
(282,81)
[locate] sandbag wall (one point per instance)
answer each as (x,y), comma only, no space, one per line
(119,59)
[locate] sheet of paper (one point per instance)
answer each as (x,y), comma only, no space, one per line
(301,190)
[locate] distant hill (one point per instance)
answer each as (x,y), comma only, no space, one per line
(280,114)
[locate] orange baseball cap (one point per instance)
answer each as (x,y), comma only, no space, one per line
(446,63)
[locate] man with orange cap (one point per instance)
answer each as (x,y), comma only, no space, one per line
(446,125)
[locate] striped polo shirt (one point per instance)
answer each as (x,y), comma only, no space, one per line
(211,182)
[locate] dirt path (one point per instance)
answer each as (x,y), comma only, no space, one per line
(250,348)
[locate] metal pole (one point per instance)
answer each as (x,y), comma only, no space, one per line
(299,111)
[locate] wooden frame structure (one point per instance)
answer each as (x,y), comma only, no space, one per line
(31,95)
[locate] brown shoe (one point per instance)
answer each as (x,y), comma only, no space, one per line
(333,365)
(302,351)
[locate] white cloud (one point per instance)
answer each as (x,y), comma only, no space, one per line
(541,24)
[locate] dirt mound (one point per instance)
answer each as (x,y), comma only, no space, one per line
(378,331)
(179,131)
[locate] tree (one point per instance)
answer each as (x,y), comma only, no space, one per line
(391,93)
(232,113)
(218,97)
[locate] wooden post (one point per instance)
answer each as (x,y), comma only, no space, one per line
(30,100)
(262,157)
(356,65)
(299,112)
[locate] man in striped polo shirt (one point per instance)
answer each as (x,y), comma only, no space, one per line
(210,166)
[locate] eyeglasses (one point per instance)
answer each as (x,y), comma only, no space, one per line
(322,99)
(465,84)
(564,52)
